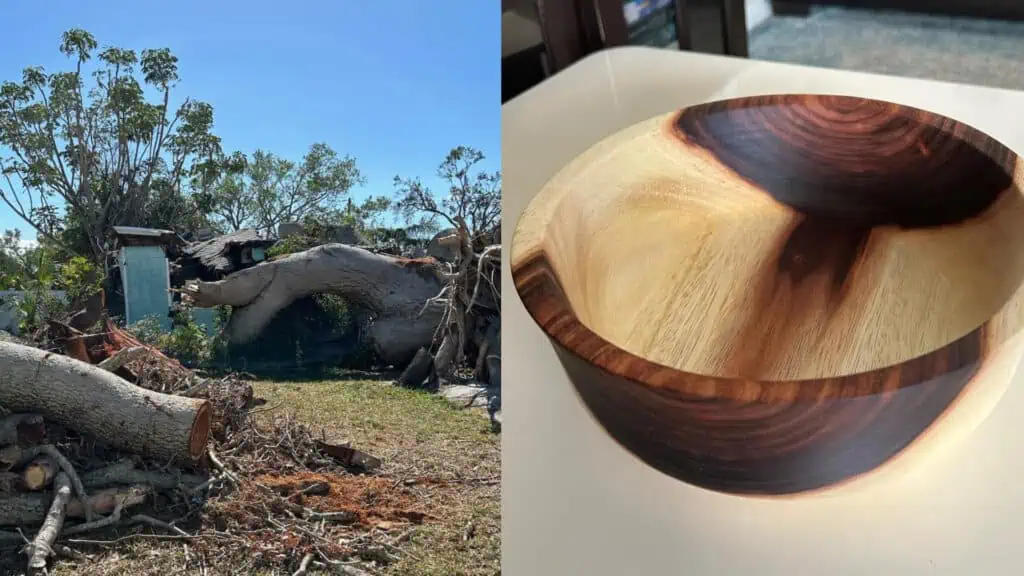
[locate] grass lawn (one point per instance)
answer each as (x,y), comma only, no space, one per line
(446,461)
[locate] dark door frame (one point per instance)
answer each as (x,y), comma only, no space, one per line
(732,13)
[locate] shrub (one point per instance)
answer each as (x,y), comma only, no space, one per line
(36,307)
(291,245)
(148,331)
(80,278)
(187,341)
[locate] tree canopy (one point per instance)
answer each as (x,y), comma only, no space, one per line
(99,144)
(88,150)
(264,190)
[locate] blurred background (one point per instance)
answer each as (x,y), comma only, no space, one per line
(970,41)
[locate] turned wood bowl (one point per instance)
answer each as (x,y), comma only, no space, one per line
(776,294)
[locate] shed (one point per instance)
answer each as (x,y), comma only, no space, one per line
(145,273)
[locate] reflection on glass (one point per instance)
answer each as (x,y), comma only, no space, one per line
(650,22)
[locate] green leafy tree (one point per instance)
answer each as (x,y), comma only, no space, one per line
(13,268)
(89,151)
(265,190)
(473,196)
(80,279)
(27,266)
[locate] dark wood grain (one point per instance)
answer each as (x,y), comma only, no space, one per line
(863,162)
(846,167)
(849,166)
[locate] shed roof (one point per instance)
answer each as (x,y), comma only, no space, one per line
(131,235)
(135,231)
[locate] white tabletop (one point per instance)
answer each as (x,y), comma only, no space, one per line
(574,502)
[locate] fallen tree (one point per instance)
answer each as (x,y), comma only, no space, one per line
(425,314)
(393,289)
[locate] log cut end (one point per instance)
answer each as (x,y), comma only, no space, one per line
(200,432)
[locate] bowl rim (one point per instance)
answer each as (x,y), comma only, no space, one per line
(540,290)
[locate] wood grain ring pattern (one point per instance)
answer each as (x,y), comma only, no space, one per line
(776,294)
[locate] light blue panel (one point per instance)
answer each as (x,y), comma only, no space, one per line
(146,283)
(207,318)
(258,254)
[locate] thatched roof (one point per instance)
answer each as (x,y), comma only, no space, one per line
(214,254)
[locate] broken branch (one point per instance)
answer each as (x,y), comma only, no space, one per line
(42,545)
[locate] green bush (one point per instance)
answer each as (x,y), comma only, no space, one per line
(80,278)
(148,331)
(291,245)
(287,344)
(36,307)
(188,341)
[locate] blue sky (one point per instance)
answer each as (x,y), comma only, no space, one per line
(395,83)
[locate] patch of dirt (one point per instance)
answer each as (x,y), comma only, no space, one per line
(371,500)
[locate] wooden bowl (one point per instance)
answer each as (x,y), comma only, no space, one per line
(775,294)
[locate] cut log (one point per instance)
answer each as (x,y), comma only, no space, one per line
(29,509)
(40,473)
(395,290)
(103,476)
(63,463)
(92,401)
(125,473)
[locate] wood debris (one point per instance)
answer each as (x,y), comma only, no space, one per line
(114,436)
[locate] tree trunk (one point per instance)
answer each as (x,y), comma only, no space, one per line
(488,365)
(395,290)
(93,401)
(417,371)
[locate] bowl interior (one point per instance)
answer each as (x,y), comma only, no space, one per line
(788,237)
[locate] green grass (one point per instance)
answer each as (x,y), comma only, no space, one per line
(418,436)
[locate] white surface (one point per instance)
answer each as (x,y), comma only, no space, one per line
(574,502)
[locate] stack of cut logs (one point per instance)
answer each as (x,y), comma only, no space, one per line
(41,492)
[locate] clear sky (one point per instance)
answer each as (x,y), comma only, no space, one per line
(395,83)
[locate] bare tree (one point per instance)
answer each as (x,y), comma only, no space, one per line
(473,197)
